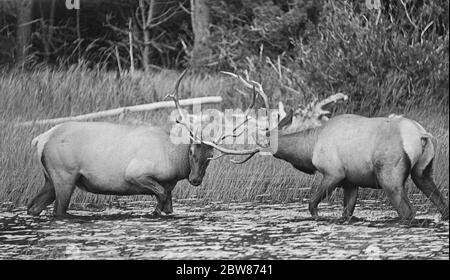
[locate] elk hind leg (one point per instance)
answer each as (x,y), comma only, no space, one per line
(64,186)
(391,178)
(350,197)
(423,179)
(45,197)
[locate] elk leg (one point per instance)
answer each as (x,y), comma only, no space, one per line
(168,207)
(43,199)
(153,187)
(350,196)
(424,182)
(63,193)
(392,179)
(326,188)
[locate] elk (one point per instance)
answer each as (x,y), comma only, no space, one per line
(107,158)
(352,151)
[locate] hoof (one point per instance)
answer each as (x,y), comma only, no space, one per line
(33,212)
(315,217)
(314,212)
(168,210)
(156,213)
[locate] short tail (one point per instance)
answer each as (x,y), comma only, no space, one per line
(40,141)
(429,144)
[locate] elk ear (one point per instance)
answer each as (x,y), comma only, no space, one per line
(281,111)
(287,120)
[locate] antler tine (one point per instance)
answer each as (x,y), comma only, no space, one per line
(229,151)
(251,84)
(266,103)
(182,118)
(318,108)
(252,102)
(257,89)
(254,85)
(247,111)
(262,93)
(244,160)
(174,94)
(217,157)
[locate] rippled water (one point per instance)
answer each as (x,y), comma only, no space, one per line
(226,231)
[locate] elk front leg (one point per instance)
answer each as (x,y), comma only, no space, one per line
(168,207)
(326,188)
(138,174)
(153,187)
(350,196)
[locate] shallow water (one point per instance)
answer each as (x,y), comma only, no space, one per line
(222,231)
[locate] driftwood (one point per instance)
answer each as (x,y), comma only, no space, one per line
(124,110)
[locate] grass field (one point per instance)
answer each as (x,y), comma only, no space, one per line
(52,93)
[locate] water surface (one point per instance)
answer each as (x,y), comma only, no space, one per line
(225,231)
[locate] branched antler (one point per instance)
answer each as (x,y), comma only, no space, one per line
(313,114)
(183,120)
(318,110)
(233,134)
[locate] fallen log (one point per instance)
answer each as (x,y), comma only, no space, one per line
(124,110)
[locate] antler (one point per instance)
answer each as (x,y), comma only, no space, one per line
(318,108)
(257,89)
(182,120)
(174,96)
(313,114)
(246,119)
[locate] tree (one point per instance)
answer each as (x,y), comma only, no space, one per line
(23,31)
(144,30)
(201,52)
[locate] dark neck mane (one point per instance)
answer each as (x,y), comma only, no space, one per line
(297,148)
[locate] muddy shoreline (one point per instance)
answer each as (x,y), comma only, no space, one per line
(222,231)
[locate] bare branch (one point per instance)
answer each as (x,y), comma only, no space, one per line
(407,14)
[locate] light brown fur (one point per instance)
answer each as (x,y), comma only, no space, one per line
(353,151)
(106,158)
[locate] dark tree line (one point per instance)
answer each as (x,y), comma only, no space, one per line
(105,30)
(396,53)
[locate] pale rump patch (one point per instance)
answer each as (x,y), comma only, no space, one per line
(40,140)
(413,135)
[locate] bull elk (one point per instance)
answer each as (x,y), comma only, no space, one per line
(107,158)
(352,151)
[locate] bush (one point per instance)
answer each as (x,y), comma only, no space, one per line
(377,66)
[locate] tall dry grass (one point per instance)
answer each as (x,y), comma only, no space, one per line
(49,93)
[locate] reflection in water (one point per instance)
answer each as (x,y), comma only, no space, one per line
(226,231)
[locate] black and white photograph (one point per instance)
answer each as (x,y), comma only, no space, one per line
(224,130)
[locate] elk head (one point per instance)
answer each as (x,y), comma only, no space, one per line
(281,122)
(200,150)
